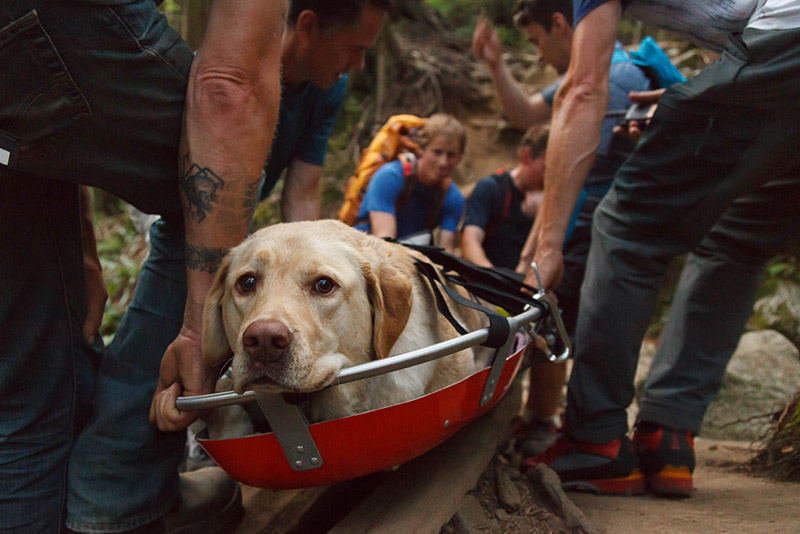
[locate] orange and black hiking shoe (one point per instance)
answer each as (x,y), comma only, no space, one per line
(667,459)
(611,468)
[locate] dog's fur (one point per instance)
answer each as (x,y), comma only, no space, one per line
(286,333)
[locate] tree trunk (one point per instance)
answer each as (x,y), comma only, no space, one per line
(193,23)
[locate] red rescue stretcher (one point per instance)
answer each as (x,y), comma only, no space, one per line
(296,454)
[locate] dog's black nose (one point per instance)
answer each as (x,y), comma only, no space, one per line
(266,338)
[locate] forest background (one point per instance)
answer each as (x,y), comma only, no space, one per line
(421,64)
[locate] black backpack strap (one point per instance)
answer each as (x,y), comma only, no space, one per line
(500,212)
(437,205)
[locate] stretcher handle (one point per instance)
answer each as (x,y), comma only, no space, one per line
(373,368)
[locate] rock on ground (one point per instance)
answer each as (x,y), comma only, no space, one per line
(780,311)
(762,376)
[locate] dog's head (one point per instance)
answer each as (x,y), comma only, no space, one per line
(295,303)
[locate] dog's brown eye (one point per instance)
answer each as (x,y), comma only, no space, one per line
(246,283)
(324,285)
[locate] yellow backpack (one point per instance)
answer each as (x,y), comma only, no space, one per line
(391,140)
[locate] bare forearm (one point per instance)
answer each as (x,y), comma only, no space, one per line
(447,240)
(571,152)
(231,111)
(578,112)
(300,199)
(382,224)
(472,248)
(522,110)
(304,209)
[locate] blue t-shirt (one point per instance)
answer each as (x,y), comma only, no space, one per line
(304,126)
(485,208)
(581,8)
(386,186)
(624,77)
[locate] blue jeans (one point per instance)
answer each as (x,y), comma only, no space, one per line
(91,94)
(717,174)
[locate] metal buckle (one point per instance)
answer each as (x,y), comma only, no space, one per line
(553,317)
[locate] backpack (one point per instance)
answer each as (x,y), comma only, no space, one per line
(394,137)
(654,62)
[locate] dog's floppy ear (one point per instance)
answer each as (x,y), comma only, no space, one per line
(215,342)
(389,291)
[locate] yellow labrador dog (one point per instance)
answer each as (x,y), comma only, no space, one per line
(295,303)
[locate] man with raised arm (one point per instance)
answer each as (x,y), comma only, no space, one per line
(548,26)
(715,174)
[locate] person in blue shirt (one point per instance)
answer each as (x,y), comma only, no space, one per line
(433,200)
(312,92)
(548,25)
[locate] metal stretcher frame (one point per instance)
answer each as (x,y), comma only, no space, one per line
(299,455)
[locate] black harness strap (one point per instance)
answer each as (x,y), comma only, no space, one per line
(492,285)
(499,328)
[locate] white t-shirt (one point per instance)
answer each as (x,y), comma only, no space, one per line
(708,22)
(776,15)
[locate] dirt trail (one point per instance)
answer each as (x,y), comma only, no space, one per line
(726,500)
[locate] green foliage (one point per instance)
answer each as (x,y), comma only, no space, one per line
(121,250)
(781,268)
(349,115)
(268,211)
(462,15)
(784,267)
(172,10)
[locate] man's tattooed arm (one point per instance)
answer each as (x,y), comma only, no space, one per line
(199,186)
(204,259)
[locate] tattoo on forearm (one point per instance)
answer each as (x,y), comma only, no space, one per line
(199,187)
(204,259)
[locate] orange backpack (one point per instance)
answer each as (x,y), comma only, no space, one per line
(392,139)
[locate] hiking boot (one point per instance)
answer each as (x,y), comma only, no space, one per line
(537,437)
(611,468)
(667,458)
(209,501)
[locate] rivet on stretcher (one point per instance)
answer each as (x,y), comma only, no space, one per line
(299,464)
(314,460)
(300,449)
(447,423)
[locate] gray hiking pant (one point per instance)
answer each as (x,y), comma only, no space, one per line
(716,174)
